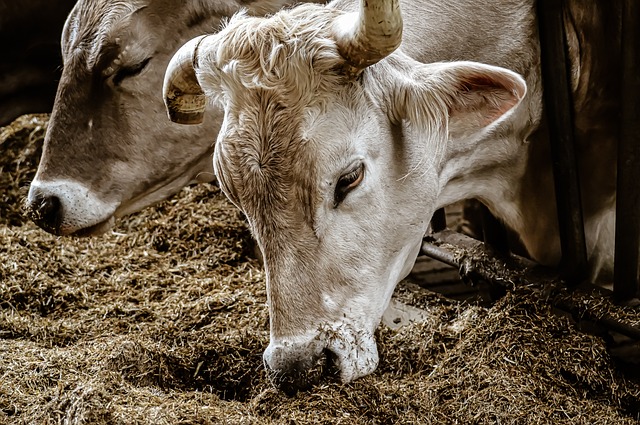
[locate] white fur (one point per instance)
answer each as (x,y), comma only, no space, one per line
(430,130)
(80,207)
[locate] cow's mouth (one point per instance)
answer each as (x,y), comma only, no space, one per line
(97,229)
(144,200)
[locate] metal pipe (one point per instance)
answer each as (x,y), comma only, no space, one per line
(437,253)
(604,319)
(628,179)
(457,250)
(559,112)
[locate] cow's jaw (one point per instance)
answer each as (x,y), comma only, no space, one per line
(343,342)
(194,173)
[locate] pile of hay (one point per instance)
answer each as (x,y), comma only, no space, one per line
(164,322)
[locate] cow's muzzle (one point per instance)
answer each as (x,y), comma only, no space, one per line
(66,207)
(45,211)
(338,353)
(293,368)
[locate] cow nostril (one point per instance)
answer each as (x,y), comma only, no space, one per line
(331,369)
(49,208)
(46,211)
(300,374)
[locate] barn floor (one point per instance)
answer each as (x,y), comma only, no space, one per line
(163,321)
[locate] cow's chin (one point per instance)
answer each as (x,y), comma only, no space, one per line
(97,229)
(355,353)
(194,173)
(134,205)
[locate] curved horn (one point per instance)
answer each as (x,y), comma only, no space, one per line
(374,34)
(183,97)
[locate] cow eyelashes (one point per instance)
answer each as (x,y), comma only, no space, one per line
(129,71)
(346,183)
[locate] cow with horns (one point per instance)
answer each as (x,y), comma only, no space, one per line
(109,149)
(342,134)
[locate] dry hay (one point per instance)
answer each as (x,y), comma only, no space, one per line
(164,322)
(20,145)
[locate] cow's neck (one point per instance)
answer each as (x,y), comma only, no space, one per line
(507,184)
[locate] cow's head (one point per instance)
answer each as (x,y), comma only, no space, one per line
(110,149)
(337,163)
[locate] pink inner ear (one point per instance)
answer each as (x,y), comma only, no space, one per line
(491,94)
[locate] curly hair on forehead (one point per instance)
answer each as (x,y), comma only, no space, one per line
(291,51)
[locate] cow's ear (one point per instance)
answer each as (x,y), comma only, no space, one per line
(469,97)
(477,96)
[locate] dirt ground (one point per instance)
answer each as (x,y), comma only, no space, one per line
(164,321)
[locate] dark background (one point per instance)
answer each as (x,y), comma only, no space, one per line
(30,63)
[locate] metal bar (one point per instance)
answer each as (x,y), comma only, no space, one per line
(628,180)
(472,257)
(559,112)
(605,320)
(439,220)
(614,325)
(438,253)
(494,232)
(452,248)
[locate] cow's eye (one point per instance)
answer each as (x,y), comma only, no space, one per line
(347,182)
(129,71)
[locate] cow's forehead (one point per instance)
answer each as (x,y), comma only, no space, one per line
(264,156)
(282,162)
(275,78)
(284,139)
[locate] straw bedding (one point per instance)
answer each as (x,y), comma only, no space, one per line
(164,321)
